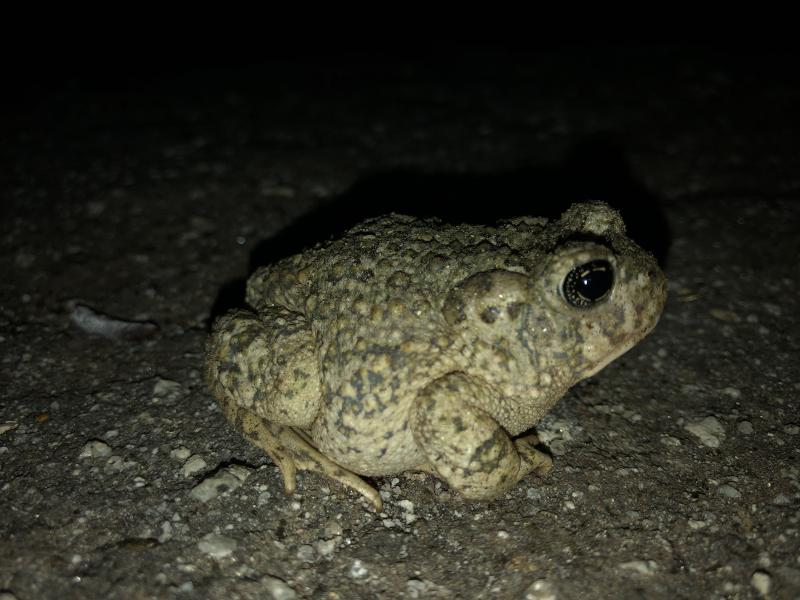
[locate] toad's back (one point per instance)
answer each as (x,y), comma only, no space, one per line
(373,300)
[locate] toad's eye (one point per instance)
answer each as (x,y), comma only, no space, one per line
(588,284)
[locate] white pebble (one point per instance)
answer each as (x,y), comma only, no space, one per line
(226,480)
(668,440)
(732,392)
(166,388)
(216,545)
(729,491)
(325,547)
(195,464)
(762,581)
(541,589)
(8,426)
(333,528)
(181,453)
(643,567)
(709,430)
(358,570)
(277,589)
(306,553)
(95,449)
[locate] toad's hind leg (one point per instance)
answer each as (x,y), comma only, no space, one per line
(264,374)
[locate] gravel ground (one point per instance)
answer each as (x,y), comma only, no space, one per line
(137,206)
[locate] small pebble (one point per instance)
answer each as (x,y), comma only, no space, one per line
(163,388)
(781,500)
(423,588)
(745,428)
(358,570)
(762,582)
(306,553)
(181,453)
(696,524)
(333,529)
(541,589)
(194,465)
(709,430)
(325,547)
(7,426)
(277,589)
(792,429)
(94,322)
(216,545)
(643,567)
(668,440)
(95,449)
(729,491)
(226,480)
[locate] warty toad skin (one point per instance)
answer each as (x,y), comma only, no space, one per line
(410,344)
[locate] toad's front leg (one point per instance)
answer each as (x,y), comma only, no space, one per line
(464,445)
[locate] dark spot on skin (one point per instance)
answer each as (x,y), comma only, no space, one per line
(514,309)
(374,378)
(388,435)
(483,282)
(485,446)
(458,423)
(489,314)
(453,309)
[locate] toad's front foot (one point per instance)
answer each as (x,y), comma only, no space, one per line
(291,451)
(531,459)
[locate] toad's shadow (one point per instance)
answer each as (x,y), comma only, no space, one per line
(595,170)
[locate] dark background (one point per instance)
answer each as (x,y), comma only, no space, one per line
(145,170)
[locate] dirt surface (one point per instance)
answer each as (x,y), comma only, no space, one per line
(150,198)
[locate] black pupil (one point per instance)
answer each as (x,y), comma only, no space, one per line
(588,283)
(595,281)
